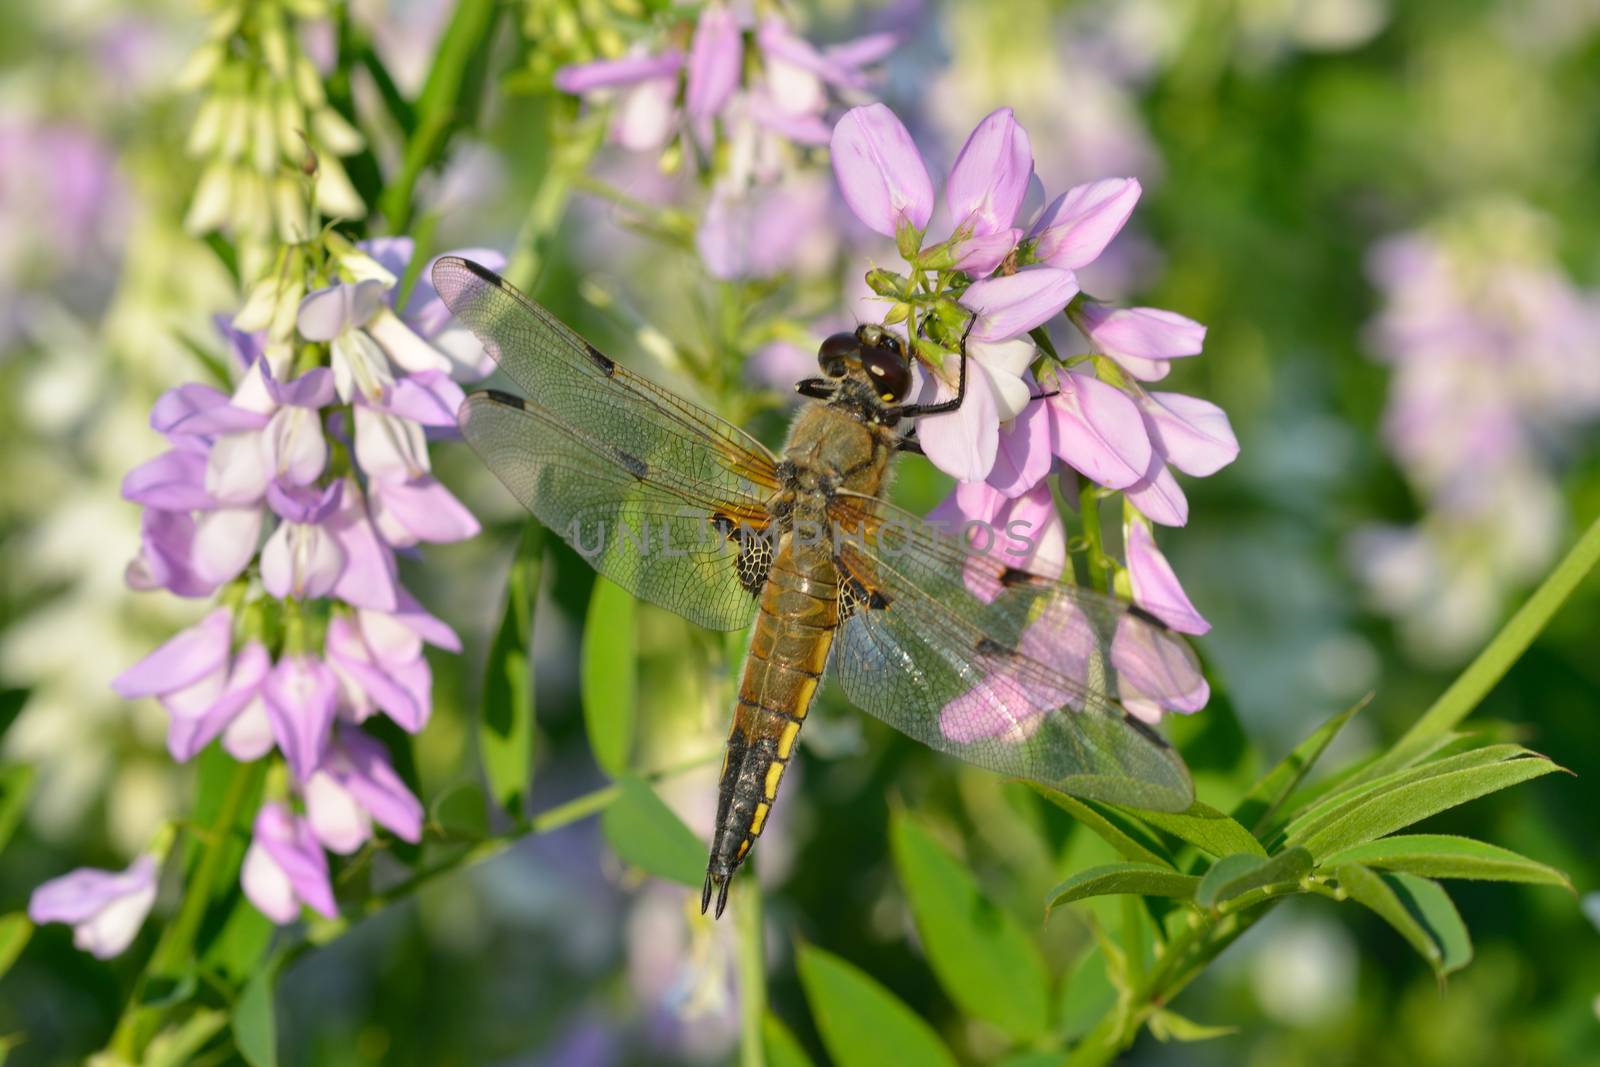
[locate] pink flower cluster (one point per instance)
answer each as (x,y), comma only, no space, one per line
(760,91)
(1026,416)
(290,497)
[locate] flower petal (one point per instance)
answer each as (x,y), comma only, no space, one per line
(225,541)
(300,695)
(990,175)
(715,57)
(368,579)
(1098,430)
(1155,586)
(379,789)
(1158,496)
(1192,434)
(337,820)
(172,481)
(1024,456)
(581,78)
(1012,304)
(962,443)
(879,170)
(1077,225)
(420,510)
(1142,333)
(326,313)
(184,659)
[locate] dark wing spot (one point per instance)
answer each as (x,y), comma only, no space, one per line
(1014,576)
(1144,616)
(507,399)
(636,466)
(854,596)
(988,646)
(877,601)
(601,360)
(1142,727)
(485,273)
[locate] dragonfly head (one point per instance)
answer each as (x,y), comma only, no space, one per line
(871,355)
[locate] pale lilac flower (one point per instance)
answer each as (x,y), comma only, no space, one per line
(1025,532)
(354,787)
(1025,452)
(1099,431)
(646,90)
(379,666)
(880,172)
(369,578)
(302,558)
(300,697)
(1155,586)
(193,659)
(104,908)
(963,443)
(1141,340)
(237,713)
(715,56)
(284,868)
(1076,226)
(1009,305)
(370,345)
(985,190)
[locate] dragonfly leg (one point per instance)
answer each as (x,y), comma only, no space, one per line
(913,411)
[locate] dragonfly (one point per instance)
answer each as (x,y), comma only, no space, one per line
(1020,673)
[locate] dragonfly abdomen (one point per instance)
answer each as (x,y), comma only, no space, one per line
(788,650)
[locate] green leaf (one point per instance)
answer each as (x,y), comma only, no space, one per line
(1268,794)
(650,836)
(1170,1026)
(1419,909)
(1087,997)
(1481,675)
(980,954)
(236,950)
(782,1049)
(1448,856)
(863,1024)
(255,1028)
(1348,795)
(506,733)
(1032,1059)
(1389,810)
(180,1044)
(462,812)
(1144,879)
(610,675)
(1234,876)
(1206,828)
(15,930)
(16,783)
(1123,838)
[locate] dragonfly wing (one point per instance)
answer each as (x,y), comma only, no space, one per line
(579,386)
(652,530)
(1008,670)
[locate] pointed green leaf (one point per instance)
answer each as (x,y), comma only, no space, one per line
(650,836)
(1337,802)
(1448,856)
(1143,879)
(1087,996)
(1419,909)
(1233,876)
(1391,809)
(610,675)
(15,930)
(782,1048)
(255,1027)
(16,783)
(863,1024)
(980,954)
(506,731)
(1259,805)
(1170,1026)
(1205,828)
(1124,838)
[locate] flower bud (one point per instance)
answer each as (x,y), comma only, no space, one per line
(887,282)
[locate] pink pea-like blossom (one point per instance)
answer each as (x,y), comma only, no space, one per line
(285,869)
(880,172)
(104,908)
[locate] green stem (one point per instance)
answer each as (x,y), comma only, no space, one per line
(569,159)
(1474,683)
(173,952)
(752,963)
(1099,563)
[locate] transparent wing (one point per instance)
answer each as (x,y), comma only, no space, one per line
(579,387)
(1008,670)
(652,530)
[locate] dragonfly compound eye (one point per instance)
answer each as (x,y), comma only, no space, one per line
(886,366)
(834,351)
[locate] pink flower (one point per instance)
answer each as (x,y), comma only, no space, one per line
(302,558)
(1011,697)
(963,443)
(379,663)
(1156,672)
(1076,226)
(1155,586)
(1026,532)
(1025,452)
(985,190)
(1141,340)
(369,578)
(1099,431)
(1009,305)
(104,908)
(355,786)
(715,56)
(880,172)
(284,868)
(300,693)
